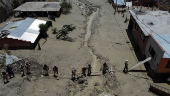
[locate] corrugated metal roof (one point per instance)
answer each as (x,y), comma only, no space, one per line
(163,44)
(119,2)
(19,31)
(27,29)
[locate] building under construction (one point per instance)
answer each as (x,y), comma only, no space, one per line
(38,9)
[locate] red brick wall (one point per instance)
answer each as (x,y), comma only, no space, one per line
(137,3)
(162,66)
(15,43)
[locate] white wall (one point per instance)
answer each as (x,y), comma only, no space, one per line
(153,63)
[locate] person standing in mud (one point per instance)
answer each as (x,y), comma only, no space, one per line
(45,70)
(55,69)
(89,70)
(27,66)
(126,67)
(4,75)
(105,68)
(22,70)
(73,73)
(84,71)
(10,71)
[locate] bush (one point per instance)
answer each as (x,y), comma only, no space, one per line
(64,31)
(54,30)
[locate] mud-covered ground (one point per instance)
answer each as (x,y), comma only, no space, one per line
(107,39)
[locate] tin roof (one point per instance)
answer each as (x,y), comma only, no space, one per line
(26,29)
(165,46)
(119,2)
(39,6)
(152,22)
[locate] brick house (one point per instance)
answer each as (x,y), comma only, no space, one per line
(151,32)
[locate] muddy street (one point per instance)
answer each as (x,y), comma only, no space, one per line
(100,36)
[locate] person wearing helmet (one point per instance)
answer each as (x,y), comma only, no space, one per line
(126,66)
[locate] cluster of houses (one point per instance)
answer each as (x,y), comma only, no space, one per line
(151,32)
(24,33)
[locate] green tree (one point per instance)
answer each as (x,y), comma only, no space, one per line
(43,30)
(66,7)
(64,31)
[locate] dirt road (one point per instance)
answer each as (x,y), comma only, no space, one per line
(100,36)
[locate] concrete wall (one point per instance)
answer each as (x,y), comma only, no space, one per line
(137,36)
(15,43)
(159,51)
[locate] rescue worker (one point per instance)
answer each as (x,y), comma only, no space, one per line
(126,67)
(45,70)
(10,71)
(89,70)
(105,68)
(27,66)
(84,71)
(22,70)
(55,69)
(5,76)
(73,73)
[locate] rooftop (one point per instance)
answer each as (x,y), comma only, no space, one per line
(152,21)
(119,2)
(165,46)
(23,30)
(39,6)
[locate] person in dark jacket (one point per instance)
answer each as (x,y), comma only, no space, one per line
(55,69)
(10,71)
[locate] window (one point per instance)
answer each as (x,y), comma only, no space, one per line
(136,27)
(168,65)
(152,52)
(142,37)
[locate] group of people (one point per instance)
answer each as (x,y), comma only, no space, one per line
(5,75)
(46,69)
(10,72)
(105,68)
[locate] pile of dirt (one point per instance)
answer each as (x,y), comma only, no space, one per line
(164,2)
(87,7)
